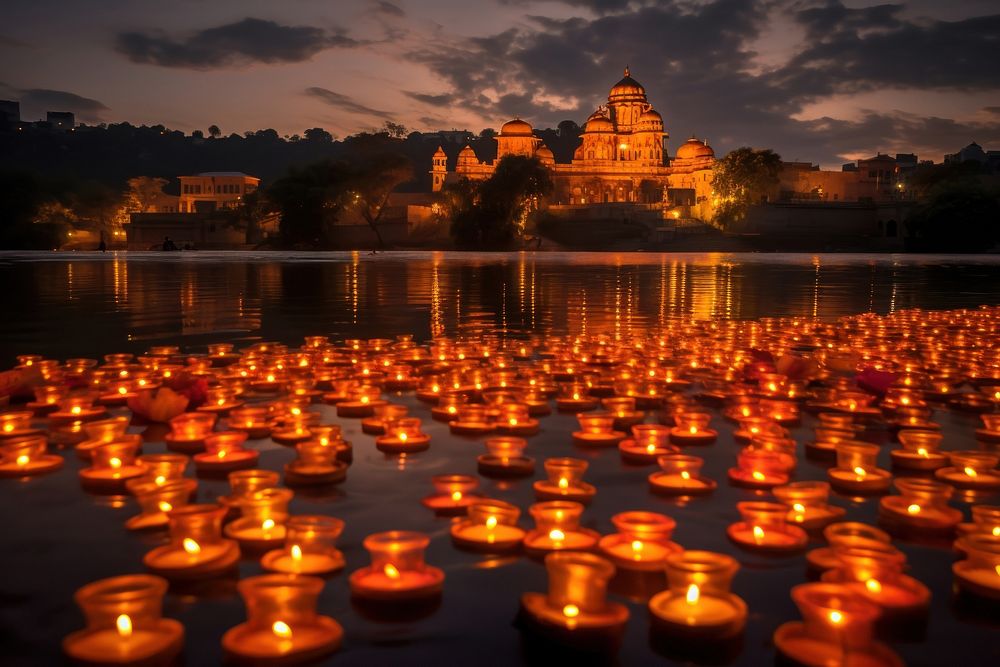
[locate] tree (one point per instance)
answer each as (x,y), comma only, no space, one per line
(214,131)
(957,216)
(568,128)
(318,134)
(741,179)
(309,200)
(143,193)
(197,134)
(21,226)
(371,181)
(487,133)
(395,130)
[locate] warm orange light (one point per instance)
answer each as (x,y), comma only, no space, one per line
(758,534)
(557,535)
(164,506)
(571,611)
(491,523)
(758,475)
(693,594)
(685,474)
(115,462)
(456,496)
(281,629)
(23,460)
(296,552)
(970,472)
(390,571)
(860,472)
(913,509)
(563,483)
(191,547)
(873,586)
(124,625)
(836,617)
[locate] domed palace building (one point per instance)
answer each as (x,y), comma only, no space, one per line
(621,159)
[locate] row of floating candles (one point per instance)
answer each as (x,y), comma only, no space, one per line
(564,477)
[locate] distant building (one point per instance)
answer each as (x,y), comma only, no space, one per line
(10,111)
(61,120)
(214,190)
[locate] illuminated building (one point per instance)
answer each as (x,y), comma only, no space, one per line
(213,190)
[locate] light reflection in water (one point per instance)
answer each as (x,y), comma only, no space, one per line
(136,300)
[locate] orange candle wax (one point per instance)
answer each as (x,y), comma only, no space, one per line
(491,527)
(698,603)
(397,571)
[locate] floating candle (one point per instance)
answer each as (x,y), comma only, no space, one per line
(27,457)
(846,533)
(163,468)
(515,419)
(384,414)
(188,431)
(856,471)
(765,528)
(565,481)
(282,626)
(79,407)
(397,571)
(573,397)
(991,427)
(985,519)
(922,504)
(979,574)
(876,573)
(196,549)
(505,458)
(642,541)
(971,470)
(403,436)
(453,494)
(361,402)
(156,499)
(647,444)
(224,453)
(837,629)
(680,476)
(698,603)
(292,429)
(472,419)
(624,410)
(262,521)
(124,623)
(112,465)
(252,419)
(759,468)
(557,528)
(491,527)
(597,430)
(244,483)
(310,547)
(576,605)
(317,464)
(17,425)
(692,429)
(920,451)
(807,504)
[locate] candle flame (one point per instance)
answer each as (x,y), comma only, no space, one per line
(758,534)
(970,472)
(651,448)
(563,483)
(693,594)
(873,586)
(23,460)
(122,390)
(402,436)
(76,409)
(799,507)
(693,430)
(456,496)
(860,472)
(160,480)
(576,397)
(270,378)
(164,506)
(491,523)
(390,571)
(124,625)
(281,629)
(222,454)
(556,535)
(571,611)
(191,546)
(268,524)
(685,474)
(296,552)
(364,399)
(836,617)
(922,452)
(115,463)
(913,509)
(758,475)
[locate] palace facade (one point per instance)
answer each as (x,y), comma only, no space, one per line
(622,158)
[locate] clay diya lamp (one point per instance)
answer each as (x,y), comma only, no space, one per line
(680,475)
(971,470)
(196,550)
(125,625)
(505,458)
(403,436)
(329,435)
(224,453)
(221,354)
(100,432)
(574,397)
(648,443)
(27,457)
(785,413)
(923,505)
(398,572)
(452,494)
(750,427)
(448,406)
(163,468)
(303,388)
(597,430)
(624,410)
(252,420)
(491,527)
(985,519)
(111,466)
(361,402)
(156,500)
(557,528)
(431,390)
(515,419)
(758,468)
(316,465)
(565,481)
(384,414)
(78,408)
(282,626)
(824,445)
(698,603)
(188,431)
(783,447)
(399,377)
(837,629)
(116,392)
(293,429)
(472,420)
(856,471)
(876,573)
(576,611)
(17,425)
(642,542)
(843,534)
(262,522)
(537,402)
(310,547)
(920,451)
(807,504)
(220,400)
(47,399)
(858,405)
(979,573)
(267,383)
(765,528)
(244,483)
(991,429)
(740,407)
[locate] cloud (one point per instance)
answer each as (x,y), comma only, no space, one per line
(243,42)
(596,6)
(387,9)
(345,103)
(433,100)
(41,100)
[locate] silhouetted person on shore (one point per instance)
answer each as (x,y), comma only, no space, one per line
(102,246)
(168,244)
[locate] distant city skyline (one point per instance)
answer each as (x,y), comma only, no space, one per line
(817,80)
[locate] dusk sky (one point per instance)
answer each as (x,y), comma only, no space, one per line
(821,81)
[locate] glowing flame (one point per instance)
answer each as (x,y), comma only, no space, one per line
(296,552)
(651,448)
(390,571)
(191,547)
(922,452)
(913,509)
(970,472)
(23,460)
(557,535)
(758,534)
(268,524)
(836,617)
(563,483)
(222,454)
(76,409)
(693,594)
(685,474)
(491,523)
(873,586)
(576,397)
(799,507)
(115,463)
(860,472)
(281,629)
(758,475)
(571,611)
(456,496)
(124,625)
(693,430)
(164,506)
(637,548)
(160,480)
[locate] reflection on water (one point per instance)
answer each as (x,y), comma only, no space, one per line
(82,303)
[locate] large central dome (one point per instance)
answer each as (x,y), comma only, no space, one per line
(627,90)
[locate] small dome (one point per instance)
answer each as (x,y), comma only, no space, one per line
(467,151)
(545,154)
(467,157)
(598,122)
(650,119)
(694,149)
(628,89)
(516,128)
